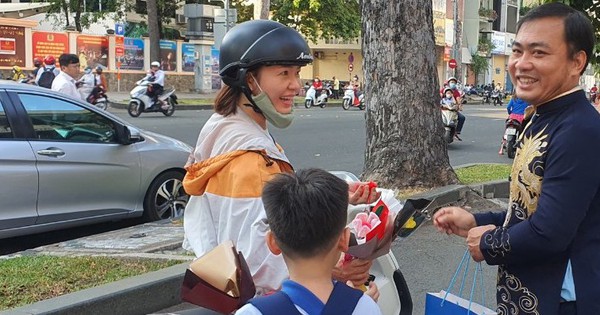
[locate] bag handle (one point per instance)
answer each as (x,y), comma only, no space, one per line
(478,269)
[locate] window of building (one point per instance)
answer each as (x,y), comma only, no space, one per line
(511,19)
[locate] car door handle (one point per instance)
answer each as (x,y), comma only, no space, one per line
(55,152)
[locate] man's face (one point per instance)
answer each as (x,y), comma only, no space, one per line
(540,66)
(154,68)
(72,70)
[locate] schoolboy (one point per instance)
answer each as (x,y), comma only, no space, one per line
(307,217)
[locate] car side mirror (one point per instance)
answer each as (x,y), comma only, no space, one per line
(128,135)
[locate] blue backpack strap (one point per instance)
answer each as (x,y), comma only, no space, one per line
(342,301)
(275,304)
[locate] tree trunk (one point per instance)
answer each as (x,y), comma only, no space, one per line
(153,30)
(65,7)
(78,15)
(405,147)
(261,9)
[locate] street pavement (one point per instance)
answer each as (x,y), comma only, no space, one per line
(427,258)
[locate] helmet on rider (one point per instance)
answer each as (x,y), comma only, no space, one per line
(37,62)
(451,84)
(256,43)
(448,90)
(49,60)
(99,69)
(155,64)
(16,69)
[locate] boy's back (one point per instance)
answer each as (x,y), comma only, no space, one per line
(296,299)
(307,213)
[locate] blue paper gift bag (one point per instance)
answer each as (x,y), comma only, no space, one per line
(453,305)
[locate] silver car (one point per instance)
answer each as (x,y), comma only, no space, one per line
(65,163)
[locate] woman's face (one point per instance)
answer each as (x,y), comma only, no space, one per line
(280,83)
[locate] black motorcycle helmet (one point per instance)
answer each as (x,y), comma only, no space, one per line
(259,42)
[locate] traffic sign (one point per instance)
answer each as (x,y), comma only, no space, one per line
(452,63)
(350,67)
(119,29)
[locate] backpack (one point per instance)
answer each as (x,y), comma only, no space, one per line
(46,78)
(342,301)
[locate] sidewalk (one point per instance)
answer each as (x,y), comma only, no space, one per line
(159,291)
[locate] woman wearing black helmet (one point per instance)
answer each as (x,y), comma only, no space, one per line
(235,154)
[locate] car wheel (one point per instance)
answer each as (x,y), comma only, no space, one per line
(134,109)
(165,198)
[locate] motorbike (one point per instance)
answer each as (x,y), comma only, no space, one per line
(497,97)
(312,98)
(142,103)
(512,130)
(98,98)
(450,120)
(350,99)
(486,96)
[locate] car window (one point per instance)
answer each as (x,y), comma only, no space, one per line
(5,130)
(58,120)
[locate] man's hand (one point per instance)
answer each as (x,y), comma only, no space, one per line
(474,238)
(454,220)
(356,270)
(372,291)
(361,193)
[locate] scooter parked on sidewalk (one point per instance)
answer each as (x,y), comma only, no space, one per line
(350,99)
(142,103)
(312,98)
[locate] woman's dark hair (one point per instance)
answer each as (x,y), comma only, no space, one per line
(228,97)
(579,32)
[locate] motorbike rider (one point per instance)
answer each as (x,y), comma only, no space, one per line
(516,108)
(260,62)
(86,84)
(50,67)
(157,77)
(101,81)
(461,118)
(17,74)
(448,101)
(38,64)
(593,93)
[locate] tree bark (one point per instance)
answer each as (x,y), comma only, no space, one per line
(405,147)
(261,9)
(65,7)
(153,30)
(78,15)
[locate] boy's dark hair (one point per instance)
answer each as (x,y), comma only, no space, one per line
(306,211)
(579,32)
(67,59)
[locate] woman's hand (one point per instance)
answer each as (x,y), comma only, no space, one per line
(362,193)
(356,270)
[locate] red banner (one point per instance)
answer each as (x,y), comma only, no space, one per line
(12,46)
(45,43)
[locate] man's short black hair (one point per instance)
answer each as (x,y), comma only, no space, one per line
(306,211)
(579,32)
(67,59)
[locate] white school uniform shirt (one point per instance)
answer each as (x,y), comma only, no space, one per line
(65,84)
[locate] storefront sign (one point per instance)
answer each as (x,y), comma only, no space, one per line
(12,46)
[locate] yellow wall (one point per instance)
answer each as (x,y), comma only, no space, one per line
(334,63)
(499,63)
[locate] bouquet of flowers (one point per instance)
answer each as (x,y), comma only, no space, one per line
(374,230)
